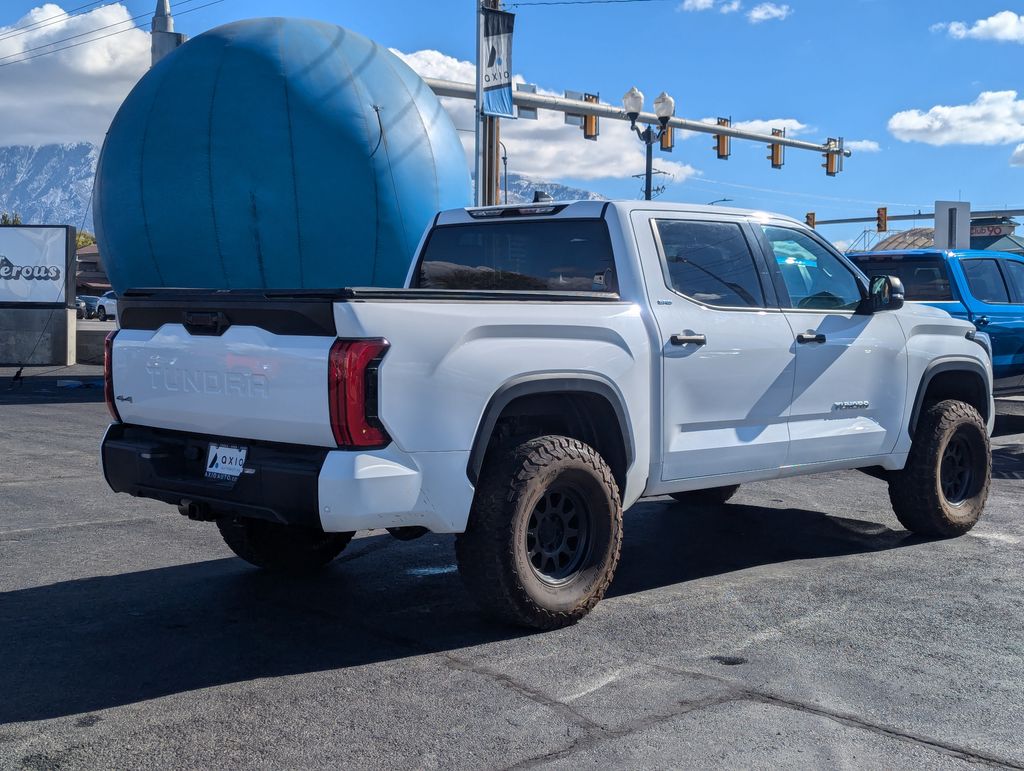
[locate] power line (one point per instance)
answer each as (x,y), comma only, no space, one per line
(83,34)
(706,181)
(101,37)
(16,31)
(585,2)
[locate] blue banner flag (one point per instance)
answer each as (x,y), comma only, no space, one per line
(495,57)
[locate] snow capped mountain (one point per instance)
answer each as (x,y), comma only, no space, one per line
(521,190)
(51,184)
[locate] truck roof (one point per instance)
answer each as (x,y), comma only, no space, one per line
(933,253)
(594,209)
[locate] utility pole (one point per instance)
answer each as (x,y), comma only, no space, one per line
(488,142)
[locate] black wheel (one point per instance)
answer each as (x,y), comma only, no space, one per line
(544,536)
(102,313)
(712,496)
(943,488)
(280,547)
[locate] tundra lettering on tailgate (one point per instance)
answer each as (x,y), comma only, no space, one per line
(238,383)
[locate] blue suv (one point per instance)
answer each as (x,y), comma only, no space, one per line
(980,286)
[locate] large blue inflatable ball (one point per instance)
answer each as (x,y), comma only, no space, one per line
(277,153)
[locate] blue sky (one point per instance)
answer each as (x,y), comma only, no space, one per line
(841,69)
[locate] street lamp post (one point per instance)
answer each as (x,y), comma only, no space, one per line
(504,163)
(664,108)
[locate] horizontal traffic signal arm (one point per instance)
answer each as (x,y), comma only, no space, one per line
(577,107)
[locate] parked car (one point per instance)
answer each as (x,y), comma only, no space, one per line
(546,367)
(106,307)
(986,288)
(90,302)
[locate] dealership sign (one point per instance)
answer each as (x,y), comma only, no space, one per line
(992,230)
(33,264)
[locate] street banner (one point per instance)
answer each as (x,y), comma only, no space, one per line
(33,264)
(495,57)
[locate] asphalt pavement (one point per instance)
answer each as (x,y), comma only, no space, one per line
(796,626)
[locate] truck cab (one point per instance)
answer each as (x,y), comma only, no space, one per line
(983,287)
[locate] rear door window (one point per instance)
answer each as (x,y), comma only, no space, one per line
(531,255)
(924,277)
(1015,275)
(710,262)
(985,280)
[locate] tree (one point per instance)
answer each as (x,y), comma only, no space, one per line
(10,219)
(85,238)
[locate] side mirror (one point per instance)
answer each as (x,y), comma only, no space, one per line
(885,294)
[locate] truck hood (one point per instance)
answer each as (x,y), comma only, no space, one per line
(920,313)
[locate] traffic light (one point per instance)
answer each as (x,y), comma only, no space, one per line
(668,139)
(723,141)
(591,123)
(833,158)
(810,219)
(776,154)
(882,223)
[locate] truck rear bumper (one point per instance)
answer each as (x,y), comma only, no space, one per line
(305,486)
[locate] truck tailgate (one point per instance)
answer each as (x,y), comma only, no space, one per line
(247,382)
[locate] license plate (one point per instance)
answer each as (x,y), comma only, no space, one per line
(225,462)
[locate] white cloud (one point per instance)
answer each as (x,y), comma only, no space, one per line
(696,5)
(1005,27)
(546,148)
(768,12)
(842,244)
(864,146)
(792,126)
(994,118)
(730,7)
(1017,159)
(70,95)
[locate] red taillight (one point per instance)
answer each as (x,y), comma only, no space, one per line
(108,375)
(352,393)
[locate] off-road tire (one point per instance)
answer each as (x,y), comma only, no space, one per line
(281,547)
(713,496)
(515,492)
(916,492)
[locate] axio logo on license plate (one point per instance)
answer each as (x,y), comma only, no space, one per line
(225,462)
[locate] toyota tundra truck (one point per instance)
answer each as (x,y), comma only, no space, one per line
(544,368)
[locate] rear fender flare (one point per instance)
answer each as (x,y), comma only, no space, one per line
(553,383)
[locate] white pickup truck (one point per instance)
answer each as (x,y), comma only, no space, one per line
(546,367)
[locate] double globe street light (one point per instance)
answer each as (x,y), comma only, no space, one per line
(664,108)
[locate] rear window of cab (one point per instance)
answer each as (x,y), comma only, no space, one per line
(925,277)
(532,255)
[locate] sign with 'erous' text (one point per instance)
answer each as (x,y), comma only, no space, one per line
(33,264)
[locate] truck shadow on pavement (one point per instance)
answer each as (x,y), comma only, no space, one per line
(79,646)
(43,389)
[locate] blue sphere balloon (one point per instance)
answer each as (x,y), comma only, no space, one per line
(276,153)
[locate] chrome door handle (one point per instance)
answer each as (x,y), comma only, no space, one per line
(689,340)
(981,322)
(810,337)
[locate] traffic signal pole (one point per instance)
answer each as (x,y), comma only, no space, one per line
(535,101)
(486,150)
